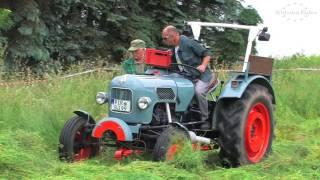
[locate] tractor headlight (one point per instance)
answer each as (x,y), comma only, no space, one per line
(144,102)
(101,98)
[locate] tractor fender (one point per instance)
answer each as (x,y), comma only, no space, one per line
(85,115)
(236,92)
(118,126)
(230,92)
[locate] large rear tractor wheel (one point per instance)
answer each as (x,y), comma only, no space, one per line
(246,126)
(76,142)
(170,142)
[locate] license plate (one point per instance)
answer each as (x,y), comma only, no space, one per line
(120,105)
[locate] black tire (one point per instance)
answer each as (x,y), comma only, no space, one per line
(246,126)
(76,142)
(169,143)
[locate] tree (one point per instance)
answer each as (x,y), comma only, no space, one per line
(227,44)
(48,31)
(46,34)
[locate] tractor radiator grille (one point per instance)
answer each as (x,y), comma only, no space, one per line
(122,94)
(165,94)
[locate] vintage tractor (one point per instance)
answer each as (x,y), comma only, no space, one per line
(157,113)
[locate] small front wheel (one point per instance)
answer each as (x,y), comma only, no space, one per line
(170,142)
(76,142)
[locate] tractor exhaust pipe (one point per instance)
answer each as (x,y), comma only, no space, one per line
(199,139)
(193,137)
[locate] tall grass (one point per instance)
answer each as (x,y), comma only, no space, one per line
(298,61)
(31,118)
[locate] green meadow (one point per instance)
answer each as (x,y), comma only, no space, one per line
(32,115)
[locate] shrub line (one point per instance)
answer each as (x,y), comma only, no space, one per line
(298,69)
(115,69)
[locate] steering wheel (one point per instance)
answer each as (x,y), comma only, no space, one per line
(185,70)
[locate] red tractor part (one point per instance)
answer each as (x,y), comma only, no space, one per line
(175,148)
(109,126)
(125,152)
(86,151)
(172,151)
(206,147)
(257,132)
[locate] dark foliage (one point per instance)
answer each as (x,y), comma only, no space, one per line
(44,35)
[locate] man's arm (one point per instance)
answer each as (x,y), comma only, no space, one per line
(204,64)
(198,49)
(201,51)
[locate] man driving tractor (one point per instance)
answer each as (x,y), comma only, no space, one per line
(190,52)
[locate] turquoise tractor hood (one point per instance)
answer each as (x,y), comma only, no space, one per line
(160,89)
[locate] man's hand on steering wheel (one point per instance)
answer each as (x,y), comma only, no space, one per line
(201,68)
(185,70)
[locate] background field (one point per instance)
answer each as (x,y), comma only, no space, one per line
(32,116)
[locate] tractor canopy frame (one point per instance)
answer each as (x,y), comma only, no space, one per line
(254,31)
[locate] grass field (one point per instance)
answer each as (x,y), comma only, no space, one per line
(32,116)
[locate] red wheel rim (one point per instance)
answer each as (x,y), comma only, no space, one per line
(82,152)
(172,151)
(257,132)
